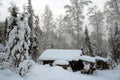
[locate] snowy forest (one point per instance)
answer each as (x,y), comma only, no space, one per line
(25,35)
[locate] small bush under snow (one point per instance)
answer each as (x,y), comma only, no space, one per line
(3,63)
(25,66)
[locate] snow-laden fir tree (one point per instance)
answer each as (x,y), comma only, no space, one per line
(33,51)
(18,42)
(36,44)
(87,50)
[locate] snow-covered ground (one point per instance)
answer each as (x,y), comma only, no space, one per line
(45,72)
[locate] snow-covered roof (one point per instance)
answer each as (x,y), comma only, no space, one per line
(61,54)
(101,58)
(60,62)
(87,58)
(92,59)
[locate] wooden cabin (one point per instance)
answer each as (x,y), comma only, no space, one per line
(72,56)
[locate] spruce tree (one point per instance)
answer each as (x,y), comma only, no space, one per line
(87,44)
(33,51)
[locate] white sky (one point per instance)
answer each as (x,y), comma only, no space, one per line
(57,6)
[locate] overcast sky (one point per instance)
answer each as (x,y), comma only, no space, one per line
(57,6)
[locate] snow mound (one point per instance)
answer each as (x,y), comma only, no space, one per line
(50,73)
(26,62)
(4,65)
(25,66)
(9,75)
(45,72)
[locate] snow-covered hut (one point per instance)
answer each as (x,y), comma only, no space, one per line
(72,56)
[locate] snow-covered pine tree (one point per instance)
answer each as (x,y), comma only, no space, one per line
(18,42)
(115,43)
(33,51)
(87,44)
(11,23)
(36,45)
